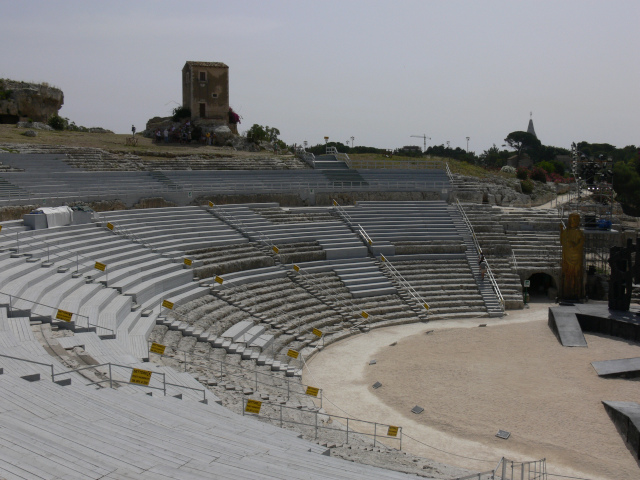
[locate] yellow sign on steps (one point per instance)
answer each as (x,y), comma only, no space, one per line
(140,377)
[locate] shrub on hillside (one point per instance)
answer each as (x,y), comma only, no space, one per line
(179,113)
(522,173)
(526,186)
(508,169)
(538,174)
(57,122)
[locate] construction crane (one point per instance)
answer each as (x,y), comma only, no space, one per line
(424,137)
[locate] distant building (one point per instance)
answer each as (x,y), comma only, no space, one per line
(410,150)
(205,91)
(530,128)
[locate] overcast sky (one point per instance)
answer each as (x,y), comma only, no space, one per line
(379,71)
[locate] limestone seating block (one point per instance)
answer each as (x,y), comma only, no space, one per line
(346,252)
(238,330)
(145,290)
(138,274)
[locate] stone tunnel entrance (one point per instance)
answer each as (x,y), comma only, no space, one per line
(542,286)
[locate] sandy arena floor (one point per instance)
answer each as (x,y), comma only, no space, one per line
(512,375)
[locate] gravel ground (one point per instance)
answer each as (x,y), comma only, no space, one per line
(513,375)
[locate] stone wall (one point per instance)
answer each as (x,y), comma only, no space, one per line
(28,101)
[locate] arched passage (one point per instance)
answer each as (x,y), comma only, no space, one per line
(542,285)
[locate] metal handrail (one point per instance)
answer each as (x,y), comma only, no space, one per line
(490,275)
(241,227)
(342,212)
(449,174)
(30,361)
(375,433)
(404,283)
(365,236)
(345,303)
(48,245)
(111,380)
(89,325)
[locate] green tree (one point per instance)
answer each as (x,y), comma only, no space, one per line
(626,183)
(494,157)
(523,142)
(258,133)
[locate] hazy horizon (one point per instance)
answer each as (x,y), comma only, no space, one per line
(376,70)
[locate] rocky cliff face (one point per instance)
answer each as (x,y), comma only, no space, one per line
(28,101)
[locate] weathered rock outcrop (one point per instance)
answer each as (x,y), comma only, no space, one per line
(28,101)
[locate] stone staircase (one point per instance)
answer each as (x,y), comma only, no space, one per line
(489,295)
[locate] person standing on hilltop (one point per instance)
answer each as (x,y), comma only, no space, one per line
(133,130)
(166,135)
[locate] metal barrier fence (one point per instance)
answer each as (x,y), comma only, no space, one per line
(111,378)
(512,470)
(365,428)
(53,313)
(60,253)
(389,163)
(226,369)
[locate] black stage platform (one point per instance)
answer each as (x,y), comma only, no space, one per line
(625,367)
(626,416)
(568,323)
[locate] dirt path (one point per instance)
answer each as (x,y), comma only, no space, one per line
(512,375)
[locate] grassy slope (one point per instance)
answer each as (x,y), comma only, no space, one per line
(115,143)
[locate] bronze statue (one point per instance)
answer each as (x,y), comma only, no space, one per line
(572,240)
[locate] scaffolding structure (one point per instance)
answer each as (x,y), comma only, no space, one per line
(593,197)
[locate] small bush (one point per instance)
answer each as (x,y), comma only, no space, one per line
(522,173)
(179,113)
(508,169)
(57,122)
(526,186)
(538,174)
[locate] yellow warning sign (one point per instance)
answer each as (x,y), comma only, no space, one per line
(211,204)
(110,226)
(275,249)
(296,268)
(141,377)
(312,391)
(382,258)
(335,204)
(188,262)
(370,242)
(393,431)
(218,279)
(167,304)
(64,315)
(293,353)
(100,266)
(253,406)
(157,348)
(426,306)
(0,228)
(316,332)
(364,314)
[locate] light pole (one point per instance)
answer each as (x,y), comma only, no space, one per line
(352,139)
(468,144)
